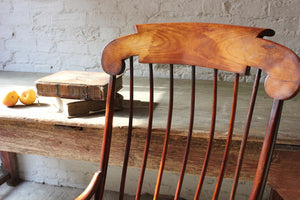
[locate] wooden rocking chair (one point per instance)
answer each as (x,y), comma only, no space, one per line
(219,47)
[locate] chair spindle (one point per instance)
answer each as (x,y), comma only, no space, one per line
(128,143)
(148,137)
(245,136)
(228,141)
(165,147)
(189,137)
(267,151)
(211,136)
(106,141)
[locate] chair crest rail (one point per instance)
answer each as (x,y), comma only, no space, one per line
(224,47)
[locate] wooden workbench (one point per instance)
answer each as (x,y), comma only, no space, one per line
(40,129)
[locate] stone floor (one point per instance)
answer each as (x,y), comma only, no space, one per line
(35,191)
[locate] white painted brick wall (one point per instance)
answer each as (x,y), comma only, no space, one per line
(71,34)
(53,35)
(78,173)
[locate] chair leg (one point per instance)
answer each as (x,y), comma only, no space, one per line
(10,174)
(274,195)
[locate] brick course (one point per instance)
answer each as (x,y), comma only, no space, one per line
(79,30)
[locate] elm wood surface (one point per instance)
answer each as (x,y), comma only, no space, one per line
(224,47)
(41,130)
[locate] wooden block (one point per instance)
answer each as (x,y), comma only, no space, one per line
(76,85)
(77,108)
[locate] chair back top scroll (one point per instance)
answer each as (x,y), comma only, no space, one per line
(224,47)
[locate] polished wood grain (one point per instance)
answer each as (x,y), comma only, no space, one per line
(224,47)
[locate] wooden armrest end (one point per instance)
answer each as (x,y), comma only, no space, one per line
(91,188)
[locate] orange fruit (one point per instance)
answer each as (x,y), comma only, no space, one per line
(28,97)
(10,99)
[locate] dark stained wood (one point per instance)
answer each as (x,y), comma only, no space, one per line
(240,47)
(75,85)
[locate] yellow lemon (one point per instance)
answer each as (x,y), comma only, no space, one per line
(10,99)
(28,97)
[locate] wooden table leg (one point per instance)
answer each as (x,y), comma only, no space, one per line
(10,174)
(274,195)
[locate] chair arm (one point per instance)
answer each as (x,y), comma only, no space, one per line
(91,188)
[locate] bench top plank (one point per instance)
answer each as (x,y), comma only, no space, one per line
(44,112)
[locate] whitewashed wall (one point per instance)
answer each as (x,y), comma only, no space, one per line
(54,35)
